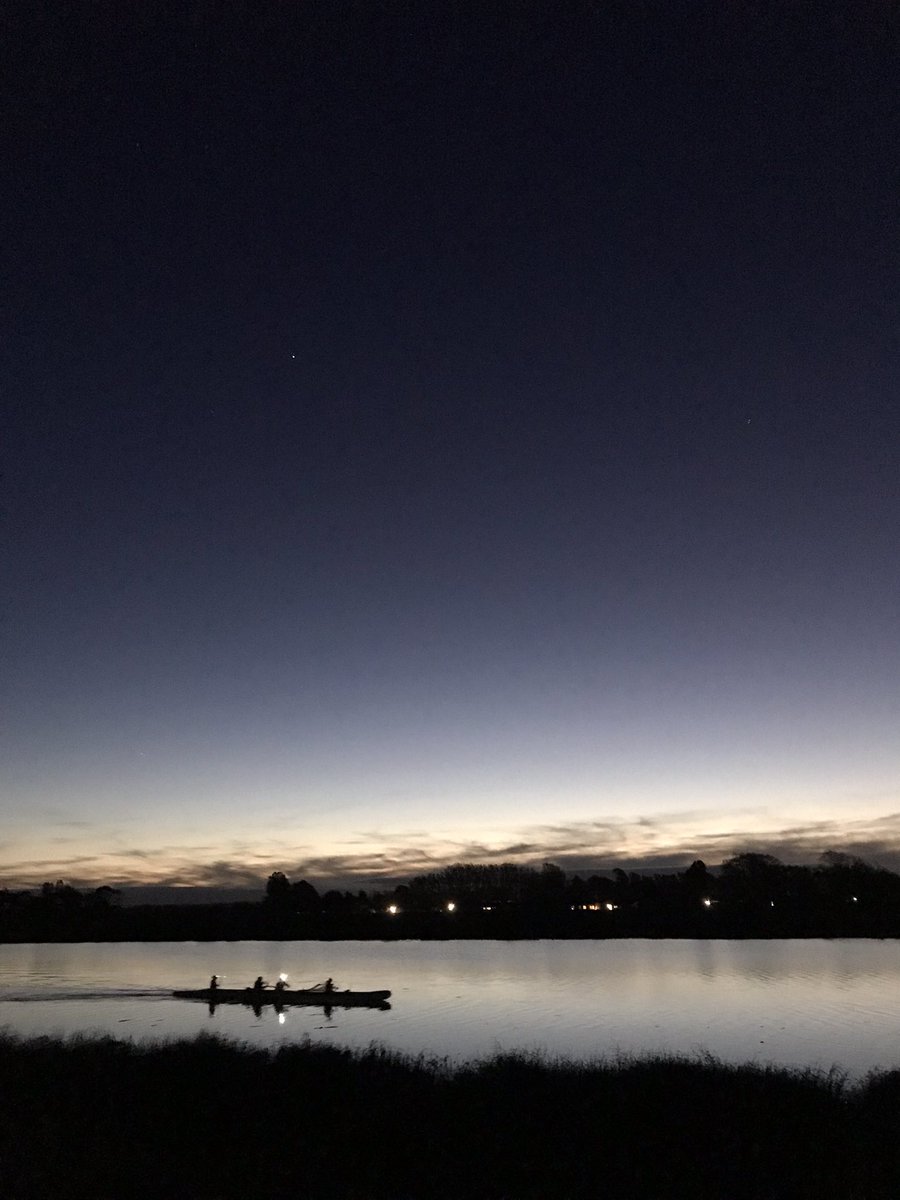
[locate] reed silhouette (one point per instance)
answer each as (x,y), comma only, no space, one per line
(208,1119)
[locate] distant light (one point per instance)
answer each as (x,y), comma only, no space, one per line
(487,908)
(771,904)
(707,903)
(611,907)
(281,1018)
(283,977)
(451,907)
(855,899)
(393,909)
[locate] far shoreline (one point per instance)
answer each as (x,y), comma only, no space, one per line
(253,922)
(749,896)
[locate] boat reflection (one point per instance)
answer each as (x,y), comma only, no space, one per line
(280,1000)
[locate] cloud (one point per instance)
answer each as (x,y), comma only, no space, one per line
(59,817)
(218,874)
(377,860)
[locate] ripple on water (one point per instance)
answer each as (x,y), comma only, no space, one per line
(798,1002)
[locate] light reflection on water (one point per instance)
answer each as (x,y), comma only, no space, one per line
(792,1002)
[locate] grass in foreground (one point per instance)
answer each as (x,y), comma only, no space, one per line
(209,1119)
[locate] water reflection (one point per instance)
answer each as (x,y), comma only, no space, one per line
(797,1002)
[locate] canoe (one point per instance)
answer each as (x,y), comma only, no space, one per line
(318,996)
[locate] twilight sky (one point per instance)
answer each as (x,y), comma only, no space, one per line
(440,434)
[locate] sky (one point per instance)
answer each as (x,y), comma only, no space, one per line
(442,433)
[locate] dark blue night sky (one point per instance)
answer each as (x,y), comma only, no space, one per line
(439,433)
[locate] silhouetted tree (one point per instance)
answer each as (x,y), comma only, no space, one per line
(697,883)
(622,887)
(601,889)
(578,891)
(483,883)
(752,879)
(845,879)
(304,898)
(61,895)
(544,890)
(553,880)
(278,890)
(334,902)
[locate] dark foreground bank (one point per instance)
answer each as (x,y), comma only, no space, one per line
(207,1119)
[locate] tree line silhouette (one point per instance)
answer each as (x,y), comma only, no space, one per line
(749,895)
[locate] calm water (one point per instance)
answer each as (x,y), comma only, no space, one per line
(803,1003)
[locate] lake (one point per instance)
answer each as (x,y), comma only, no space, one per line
(794,1003)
